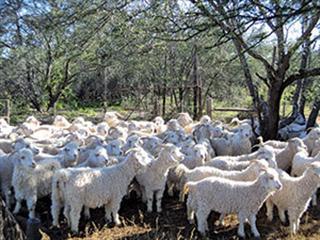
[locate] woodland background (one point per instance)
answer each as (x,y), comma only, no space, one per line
(162,57)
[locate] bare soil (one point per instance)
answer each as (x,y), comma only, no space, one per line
(170,224)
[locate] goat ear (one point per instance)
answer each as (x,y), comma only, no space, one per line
(263,170)
(162,145)
(137,155)
(17,160)
(257,145)
(14,155)
(315,165)
(111,130)
(310,128)
(13,136)
(119,115)
(141,159)
(254,161)
(128,151)
(260,139)
(90,137)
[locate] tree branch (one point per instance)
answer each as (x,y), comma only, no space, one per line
(230,29)
(307,32)
(302,74)
(262,10)
(263,79)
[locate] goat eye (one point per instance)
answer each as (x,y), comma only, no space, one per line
(23,157)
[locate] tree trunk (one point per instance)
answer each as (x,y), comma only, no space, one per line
(259,105)
(314,114)
(195,84)
(154,97)
(171,97)
(271,120)
(200,105)
(164,89)
(181,102)
(9,228)
(248,77)
(302,84)
(31,92)
(175,98)
(209,107)
(53,98)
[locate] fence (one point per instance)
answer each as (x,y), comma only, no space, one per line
(210,109)
(5,109)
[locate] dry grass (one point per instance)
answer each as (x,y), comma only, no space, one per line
(170,224)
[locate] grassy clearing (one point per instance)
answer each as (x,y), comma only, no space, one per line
(142,111)
(96,114)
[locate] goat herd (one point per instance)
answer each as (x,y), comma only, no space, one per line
(82,165)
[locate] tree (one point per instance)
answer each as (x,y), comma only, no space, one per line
(55,46)
(236,18)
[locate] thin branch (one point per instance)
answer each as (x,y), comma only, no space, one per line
(231,29)
(300,40)
(302,74)
(263,79)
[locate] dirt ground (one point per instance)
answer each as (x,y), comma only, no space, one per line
(170,224)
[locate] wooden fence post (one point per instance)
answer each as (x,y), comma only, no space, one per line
(156,106)
(209,107)
(8,110)
(54,110)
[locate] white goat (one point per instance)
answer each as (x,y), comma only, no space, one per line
(67,156)
(30,180)
(295,195)
(153,180)
(226,196)
(97,187)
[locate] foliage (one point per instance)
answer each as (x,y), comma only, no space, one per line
(140,54)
